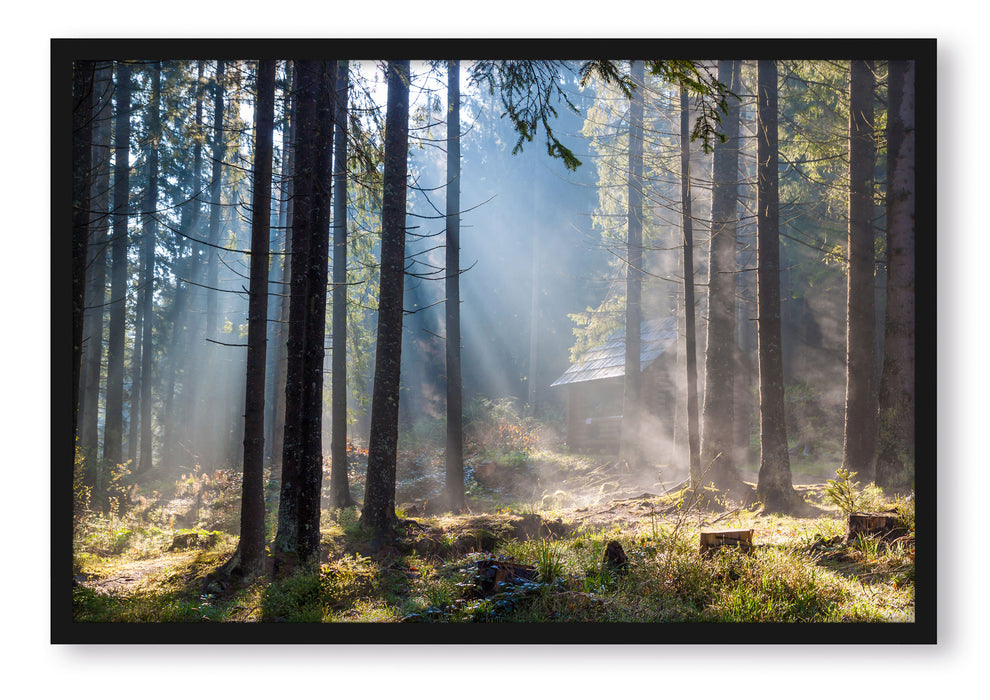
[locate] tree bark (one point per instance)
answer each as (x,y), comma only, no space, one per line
(209,425)
(690,337)
(340,494)
(775,488)
(181,361)
(285,222)
(311,468)
(632,405)
(148,234)
(113,435)
(718,440)
(82,179)
(896,416)
(97,268)
(861,398)
(452,307)
(304,116)
(378,512)
(252,534)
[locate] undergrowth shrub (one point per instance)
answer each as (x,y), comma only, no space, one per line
(497,426)
(846,495)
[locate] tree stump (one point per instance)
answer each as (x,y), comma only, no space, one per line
(492,572)
(887,526)
(615,557)
(713,539)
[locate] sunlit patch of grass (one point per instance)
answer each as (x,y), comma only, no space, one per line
(366,610)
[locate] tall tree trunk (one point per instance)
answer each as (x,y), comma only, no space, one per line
(631,448)
(303,118)
(149,233)
(113,435)
(717,443)
(181,360)
(861,397)
(252,542)
(286,223)
(82,180)
(97,271)
(690,338)
(209,444)
(298,517)
(378,512)
(452,307)
(775,488)
(340,493)
(896,420)
(311,468)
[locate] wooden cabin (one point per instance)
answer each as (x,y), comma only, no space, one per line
(594,386)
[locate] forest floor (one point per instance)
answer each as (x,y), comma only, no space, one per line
(532,547)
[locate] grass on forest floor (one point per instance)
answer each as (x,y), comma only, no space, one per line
(132,567)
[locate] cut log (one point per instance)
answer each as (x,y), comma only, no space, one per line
(713,539)
(887,526)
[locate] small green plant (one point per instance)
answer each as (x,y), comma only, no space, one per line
(843,493)
(549,561)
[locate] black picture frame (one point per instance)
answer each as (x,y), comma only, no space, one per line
(923,630)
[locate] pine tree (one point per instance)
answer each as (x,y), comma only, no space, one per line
(775,488)
(631,388)
(690,334)
(148,236)
(378,512)
(896,418)
(455,429)
(340,495)
(861,399)
(720,376)
(82,166)
(113,436)
(251,547)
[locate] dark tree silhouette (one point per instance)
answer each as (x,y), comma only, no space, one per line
(149,232)
(285,222)
(775,488)
(896,418)
(89,407)
(455,428)
(631,388)
(302,458)
(82,166)
(311,467)
(251,547)
(113,435)
(208,422)
(861,397)
(378,512)
(340,493)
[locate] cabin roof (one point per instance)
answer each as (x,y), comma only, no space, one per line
(609,360)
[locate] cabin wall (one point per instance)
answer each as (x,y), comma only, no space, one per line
(594,415)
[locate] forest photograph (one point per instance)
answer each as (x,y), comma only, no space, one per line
(618,333)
